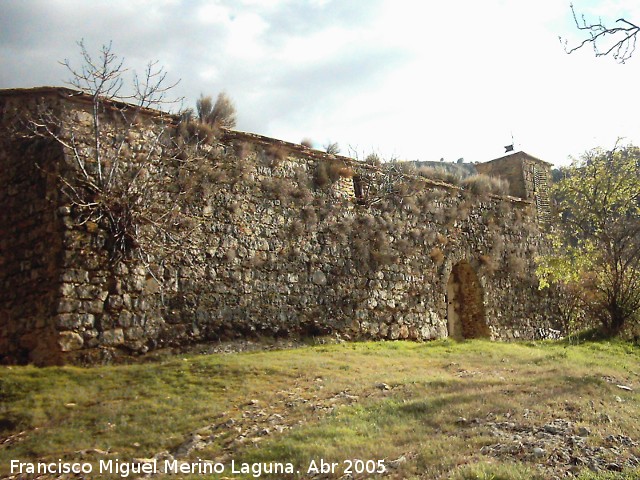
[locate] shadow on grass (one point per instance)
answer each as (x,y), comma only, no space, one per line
(596,334)
(424,418)
(156,405)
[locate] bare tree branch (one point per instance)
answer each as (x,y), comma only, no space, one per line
(100,77)
(619,41)
(113,182)
(152,89)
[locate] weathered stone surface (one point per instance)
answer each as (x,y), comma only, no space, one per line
(319,278)
(113,337)
(68,305)
(70,341)
(272,253)
(75,275)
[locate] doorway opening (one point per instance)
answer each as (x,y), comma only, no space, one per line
(465,306)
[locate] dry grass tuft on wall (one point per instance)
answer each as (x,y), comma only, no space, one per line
(487,264)
(332,148)
(328,172)
(297,228)
(437,256)
(194,132)
(242,149)
(439,174)
(517,266)
(275,155)
(373,159)
(220,114)
(484,184)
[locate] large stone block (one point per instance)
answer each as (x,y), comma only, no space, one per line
(69,341)
(112,338)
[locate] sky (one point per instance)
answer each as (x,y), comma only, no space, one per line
(405,79)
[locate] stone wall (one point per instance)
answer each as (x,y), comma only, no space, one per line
(30,249)
(278,244)
(528,177)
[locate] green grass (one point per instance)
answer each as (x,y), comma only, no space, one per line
(331,402)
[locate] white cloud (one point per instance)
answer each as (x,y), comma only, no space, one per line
(413,79)
(212,14)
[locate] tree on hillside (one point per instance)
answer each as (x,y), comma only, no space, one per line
(597,236)
(617,40)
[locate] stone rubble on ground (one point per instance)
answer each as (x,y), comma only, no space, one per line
(560,447)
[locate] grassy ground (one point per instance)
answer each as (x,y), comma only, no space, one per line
(470,410)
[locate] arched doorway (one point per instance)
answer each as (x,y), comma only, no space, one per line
(465,305)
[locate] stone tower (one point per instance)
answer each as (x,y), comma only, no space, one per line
(528,176)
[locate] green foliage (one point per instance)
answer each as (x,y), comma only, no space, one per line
(597,237)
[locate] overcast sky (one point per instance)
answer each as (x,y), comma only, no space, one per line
(415,80)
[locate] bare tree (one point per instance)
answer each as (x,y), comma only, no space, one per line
(618,40)
(102,77)
(125,166)
(152,88)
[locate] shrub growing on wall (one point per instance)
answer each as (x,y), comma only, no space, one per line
(484,184)
(220,114)
(439,174)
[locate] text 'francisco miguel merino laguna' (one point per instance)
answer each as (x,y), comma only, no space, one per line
(124,469)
